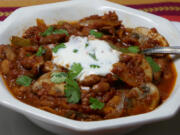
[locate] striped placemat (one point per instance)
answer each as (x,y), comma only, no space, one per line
(167,9)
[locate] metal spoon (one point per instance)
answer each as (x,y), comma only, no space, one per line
(163,50)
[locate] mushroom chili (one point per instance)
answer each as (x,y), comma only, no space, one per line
(88,70)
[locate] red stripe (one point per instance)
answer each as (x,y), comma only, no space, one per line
(7,9)
(168,13)
(171,12)
(2,18)
(172,4)
(172,18)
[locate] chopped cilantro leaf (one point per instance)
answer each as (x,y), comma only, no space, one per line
(60,31)
(96,34)
(76,68)
(28,54)
(155,67)
(40,51)
(114,47)
(48,31)
(75,50)
(95,104)
(72,91)
(94,66)
(57,47)
(92,55)
(133,49)
(23,80)
(86,45)
(124,50)
(58,77)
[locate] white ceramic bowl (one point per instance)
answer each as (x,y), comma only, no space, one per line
(75,10)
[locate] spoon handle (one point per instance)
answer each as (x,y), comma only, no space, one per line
(163,50)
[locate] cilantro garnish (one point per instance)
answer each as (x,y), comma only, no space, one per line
(48,31)
(155,67)
(72,90)
(57,47)
(23,80)
(124,50)
(40,51)
(96,34)
(115,47)
(76,68)
(58,77)
(60,31)
(86,45)
(95,104)
(131,49)
(93,56)
(75,50)
(28,54)
(94,66)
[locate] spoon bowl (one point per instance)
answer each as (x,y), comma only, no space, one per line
(163,50)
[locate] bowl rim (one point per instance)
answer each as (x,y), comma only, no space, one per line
(159,113)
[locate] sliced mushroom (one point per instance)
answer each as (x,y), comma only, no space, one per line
(54,87)
(114,108)
(146,33)
(147,69)
(143,99)
(134,71)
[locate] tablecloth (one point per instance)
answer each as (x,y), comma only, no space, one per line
(169,9)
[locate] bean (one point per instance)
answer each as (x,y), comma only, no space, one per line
(101,86)
(5,66)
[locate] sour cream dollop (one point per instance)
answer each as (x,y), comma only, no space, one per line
(95,56)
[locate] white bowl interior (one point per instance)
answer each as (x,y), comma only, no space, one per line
(75,10)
